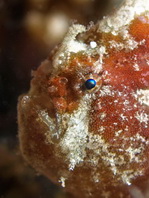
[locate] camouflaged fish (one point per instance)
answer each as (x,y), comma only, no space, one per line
(85,121)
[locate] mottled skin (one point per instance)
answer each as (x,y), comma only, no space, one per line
(114,116)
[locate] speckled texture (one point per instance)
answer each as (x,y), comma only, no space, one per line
(94,143)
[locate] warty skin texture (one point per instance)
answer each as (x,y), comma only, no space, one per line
(94,143)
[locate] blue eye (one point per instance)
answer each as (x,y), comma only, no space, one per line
(90,83)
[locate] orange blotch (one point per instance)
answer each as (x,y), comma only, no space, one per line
(60,104)
(84,62)
(106,37)
(139,28)
(58,86)
(71,106)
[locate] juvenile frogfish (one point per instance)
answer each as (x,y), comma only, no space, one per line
(84,123)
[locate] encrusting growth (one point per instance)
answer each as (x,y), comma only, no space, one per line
(85,121)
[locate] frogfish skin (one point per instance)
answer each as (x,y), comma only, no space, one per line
(84,123)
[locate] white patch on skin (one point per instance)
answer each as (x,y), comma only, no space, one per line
(55,125)
(93,44)
(101,129)
(123,117)
(48,121)
(106,90)
(147,61)
(102,115)
(134,153)
(114,160)
(117,133)
(142,96)
(75,46)
(25,100)
(96,176)
(136,67)
(128,44)
(69,45)
(74,140)
(128,175)
(102,52)
(119,21)
(62,181)
(143,118)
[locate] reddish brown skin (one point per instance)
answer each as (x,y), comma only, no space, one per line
(60,94)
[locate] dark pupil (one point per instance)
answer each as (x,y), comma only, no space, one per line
(90,83)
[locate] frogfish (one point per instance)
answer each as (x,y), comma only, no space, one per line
(84,123)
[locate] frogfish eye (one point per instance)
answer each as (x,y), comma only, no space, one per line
(90,83)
